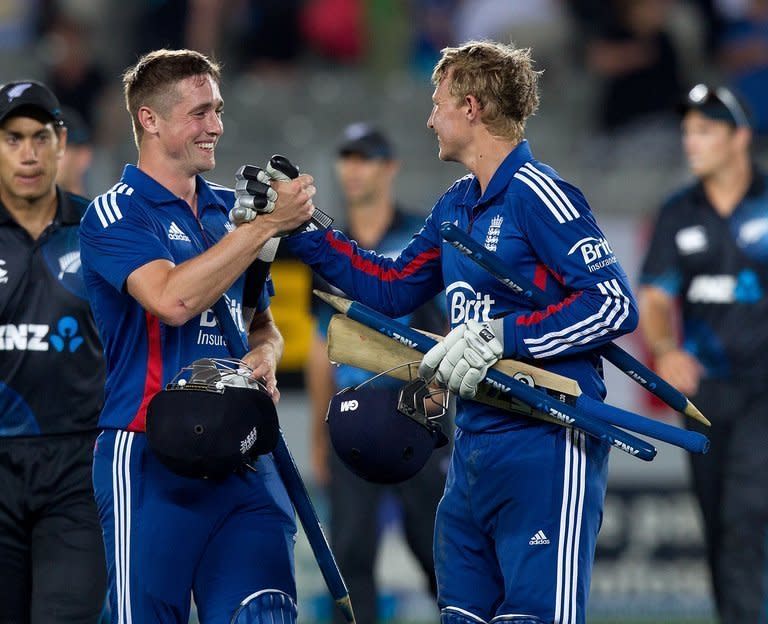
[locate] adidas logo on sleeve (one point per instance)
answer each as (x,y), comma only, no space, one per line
(176,233)
(538,538)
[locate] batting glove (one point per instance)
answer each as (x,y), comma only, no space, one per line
(253,194)
(461,360)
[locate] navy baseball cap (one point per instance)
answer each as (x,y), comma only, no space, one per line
(719,103)
(365,140)
(28,94)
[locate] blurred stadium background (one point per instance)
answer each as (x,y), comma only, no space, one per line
(297,71)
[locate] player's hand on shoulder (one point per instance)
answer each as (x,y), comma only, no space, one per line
(461,360)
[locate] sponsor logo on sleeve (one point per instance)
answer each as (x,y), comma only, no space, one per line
(752,231)
(595,252)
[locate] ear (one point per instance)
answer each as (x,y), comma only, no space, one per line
(744,137)
(472,107)
(148,119)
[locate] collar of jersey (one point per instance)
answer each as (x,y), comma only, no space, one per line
(152,190)
(757,186)
(66,209)
(66,212)
(501,178)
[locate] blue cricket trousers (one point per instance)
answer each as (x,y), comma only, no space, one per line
(168,537)
(516,529)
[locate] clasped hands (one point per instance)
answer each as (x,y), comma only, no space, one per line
(287,200)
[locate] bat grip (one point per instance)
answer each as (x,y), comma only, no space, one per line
(320,220)
(689,440)
(284,166)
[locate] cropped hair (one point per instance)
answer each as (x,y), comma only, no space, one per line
(152,80)
(502,79)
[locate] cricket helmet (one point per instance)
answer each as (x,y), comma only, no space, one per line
(385,433)
(212,419)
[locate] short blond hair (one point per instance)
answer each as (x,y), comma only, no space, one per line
(152,80)
(502,79)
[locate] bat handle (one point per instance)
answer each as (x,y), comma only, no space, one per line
(284,166)
(320,220)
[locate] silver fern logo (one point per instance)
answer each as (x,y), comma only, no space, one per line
(18,90)
(492,238)
(69,263)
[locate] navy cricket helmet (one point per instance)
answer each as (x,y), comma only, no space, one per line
(211,420)
(386,434)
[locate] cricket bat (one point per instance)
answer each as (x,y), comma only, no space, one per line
(352,343)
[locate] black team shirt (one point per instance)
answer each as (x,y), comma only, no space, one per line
(51,366)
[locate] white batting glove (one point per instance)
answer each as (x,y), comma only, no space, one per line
(253,194)
(462,359)
(432,358)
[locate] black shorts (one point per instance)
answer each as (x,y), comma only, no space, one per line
(51,547)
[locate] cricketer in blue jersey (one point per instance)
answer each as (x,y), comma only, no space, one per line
(516,528)
(158,251)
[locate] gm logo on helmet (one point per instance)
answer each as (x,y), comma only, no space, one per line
(596,253)
(466,303)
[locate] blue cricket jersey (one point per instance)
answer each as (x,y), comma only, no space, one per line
(540,225)
(137,221)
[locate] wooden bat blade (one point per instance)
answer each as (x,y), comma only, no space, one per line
(352,343)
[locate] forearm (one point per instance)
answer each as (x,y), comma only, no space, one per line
(263,332)
(177,293)
(320,387)
(392,286)
(656,320)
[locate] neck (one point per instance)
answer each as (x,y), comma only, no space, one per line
(728,186)
(368,221)
(486,157)
(160,169)
(33,215)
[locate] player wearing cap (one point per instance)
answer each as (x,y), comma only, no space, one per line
(366,168)
(51,378)
(709,250)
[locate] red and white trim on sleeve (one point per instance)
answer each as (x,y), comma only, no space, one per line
(609,318)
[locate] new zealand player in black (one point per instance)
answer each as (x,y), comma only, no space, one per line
(710,250)
(52,563)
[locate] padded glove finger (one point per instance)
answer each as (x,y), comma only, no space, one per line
(432,358)
(458,372)
(470,381)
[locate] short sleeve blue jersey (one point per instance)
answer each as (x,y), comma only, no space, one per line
(136,222)
(537,223)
